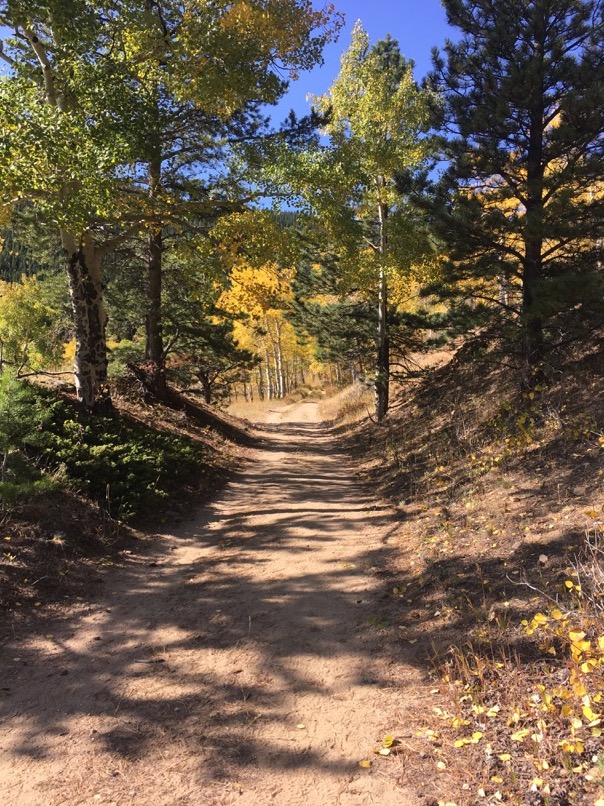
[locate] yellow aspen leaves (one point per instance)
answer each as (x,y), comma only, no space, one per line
(473,739)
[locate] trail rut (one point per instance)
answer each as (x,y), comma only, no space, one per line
(236,664)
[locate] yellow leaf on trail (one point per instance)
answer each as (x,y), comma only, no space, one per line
(520,735)
(590,715)
(557,614)
(365,764)
(505,756)
(388,741)
(473,739)
(384,751)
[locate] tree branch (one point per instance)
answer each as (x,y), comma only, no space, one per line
(40,51)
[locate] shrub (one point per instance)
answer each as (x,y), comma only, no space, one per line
(123,465)
(22,417)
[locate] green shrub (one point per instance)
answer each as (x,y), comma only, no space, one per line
(22,417)
(125,466)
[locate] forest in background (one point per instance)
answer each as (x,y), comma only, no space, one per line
(158,225)
(163,242)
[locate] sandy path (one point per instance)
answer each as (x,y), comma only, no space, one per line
(236,665)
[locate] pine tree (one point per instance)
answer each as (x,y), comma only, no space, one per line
(521,203)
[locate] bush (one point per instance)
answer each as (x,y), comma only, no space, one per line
(125,466)
(22,417)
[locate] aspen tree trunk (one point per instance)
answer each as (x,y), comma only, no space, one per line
(279,362)
(267,373)
(382,376)
(84,261)
(260,384)
(278,390)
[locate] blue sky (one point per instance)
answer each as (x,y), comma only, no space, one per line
(418,25)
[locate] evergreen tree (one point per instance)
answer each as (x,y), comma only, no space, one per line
(342,326)
(520,205)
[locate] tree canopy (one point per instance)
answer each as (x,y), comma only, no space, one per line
(139,154)
(519,205)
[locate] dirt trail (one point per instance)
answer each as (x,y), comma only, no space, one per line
(236,665)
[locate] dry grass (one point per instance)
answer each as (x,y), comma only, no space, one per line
(348,405)
(497,574)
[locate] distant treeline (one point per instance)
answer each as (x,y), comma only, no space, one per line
(18,259)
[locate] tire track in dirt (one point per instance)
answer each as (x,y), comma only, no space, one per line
(236,665)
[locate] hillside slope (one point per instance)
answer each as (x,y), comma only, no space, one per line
(497,570)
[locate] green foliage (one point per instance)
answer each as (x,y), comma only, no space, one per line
(127,351)
(209,357)
(120,118)
(376,117)
(17,258)
(22,416)
(123,465)
(520,204)
(342,326)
